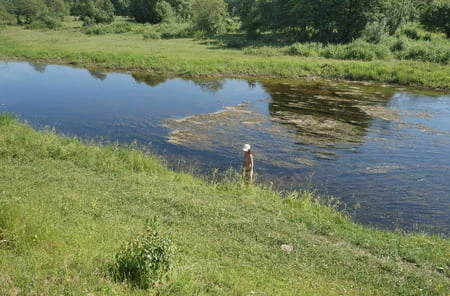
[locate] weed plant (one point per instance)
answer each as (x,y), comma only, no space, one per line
(144,261)
(67,208)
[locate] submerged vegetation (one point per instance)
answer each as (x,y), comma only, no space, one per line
(74,222)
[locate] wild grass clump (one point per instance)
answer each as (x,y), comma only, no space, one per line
(415,32)
(167,30)
(44,22)
(7,119)
(103,29)
(144,261)
(305,49)
(265,51)
(357,50)
(426,52)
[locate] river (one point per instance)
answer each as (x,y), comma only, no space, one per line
(382,150)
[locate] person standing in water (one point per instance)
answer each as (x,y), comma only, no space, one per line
(248,164)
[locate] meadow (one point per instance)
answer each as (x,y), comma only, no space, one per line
(75,221)
(415,58)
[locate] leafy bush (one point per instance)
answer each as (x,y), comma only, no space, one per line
(151,35)
(427,52)
(399,44)
(376,31)
(174,30)
(357,50)
(167,30)
(333,52)
(45,21)
(91,28)
(144,261)
(305,49)
(267,51)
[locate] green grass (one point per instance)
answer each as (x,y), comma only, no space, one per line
(68,207)
(130,51)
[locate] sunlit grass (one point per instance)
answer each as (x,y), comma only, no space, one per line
(66,209)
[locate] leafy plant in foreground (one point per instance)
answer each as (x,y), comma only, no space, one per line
(144,261)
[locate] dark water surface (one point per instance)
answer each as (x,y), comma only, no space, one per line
(383,151)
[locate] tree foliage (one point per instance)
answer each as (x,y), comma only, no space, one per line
(121,7)
(151,11)
(309,20)
(94,11)
(209,16)
(5,16)
(324,21)
(26,11)
(436,16)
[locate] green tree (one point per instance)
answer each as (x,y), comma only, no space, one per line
(58,8)
(26,11)
(94,11)
(325,21)
(121,7)
(395,13)
(209,16)
(182,8)
(436,16)
(150,11)
(5,16)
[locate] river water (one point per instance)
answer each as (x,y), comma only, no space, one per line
(382,150)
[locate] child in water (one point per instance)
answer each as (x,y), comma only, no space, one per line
(248,164)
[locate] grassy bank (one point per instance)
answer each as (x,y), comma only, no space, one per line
(67,208)
(187,57)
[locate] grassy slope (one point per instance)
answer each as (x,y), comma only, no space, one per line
(67,207)
(199,58)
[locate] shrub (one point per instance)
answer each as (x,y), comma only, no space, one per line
(376,31)
(152,34)
(305,49)
(174,30)
(399,44)
(267,51)
(357,50)
(415,32)
(167,31)
(427,52)
(91,28)
(144,261)
(333,52)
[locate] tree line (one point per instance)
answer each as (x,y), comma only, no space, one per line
(324,21)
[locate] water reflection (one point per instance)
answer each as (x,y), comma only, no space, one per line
(378,147)
(98,75)
(324,117)
(40,68)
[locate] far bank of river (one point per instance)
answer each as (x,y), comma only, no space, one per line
(381,149)
(205,58)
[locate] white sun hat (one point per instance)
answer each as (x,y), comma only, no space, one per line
(246,147)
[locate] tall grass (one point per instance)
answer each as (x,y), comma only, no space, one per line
(68,208)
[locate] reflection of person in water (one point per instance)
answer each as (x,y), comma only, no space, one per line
(248,164)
